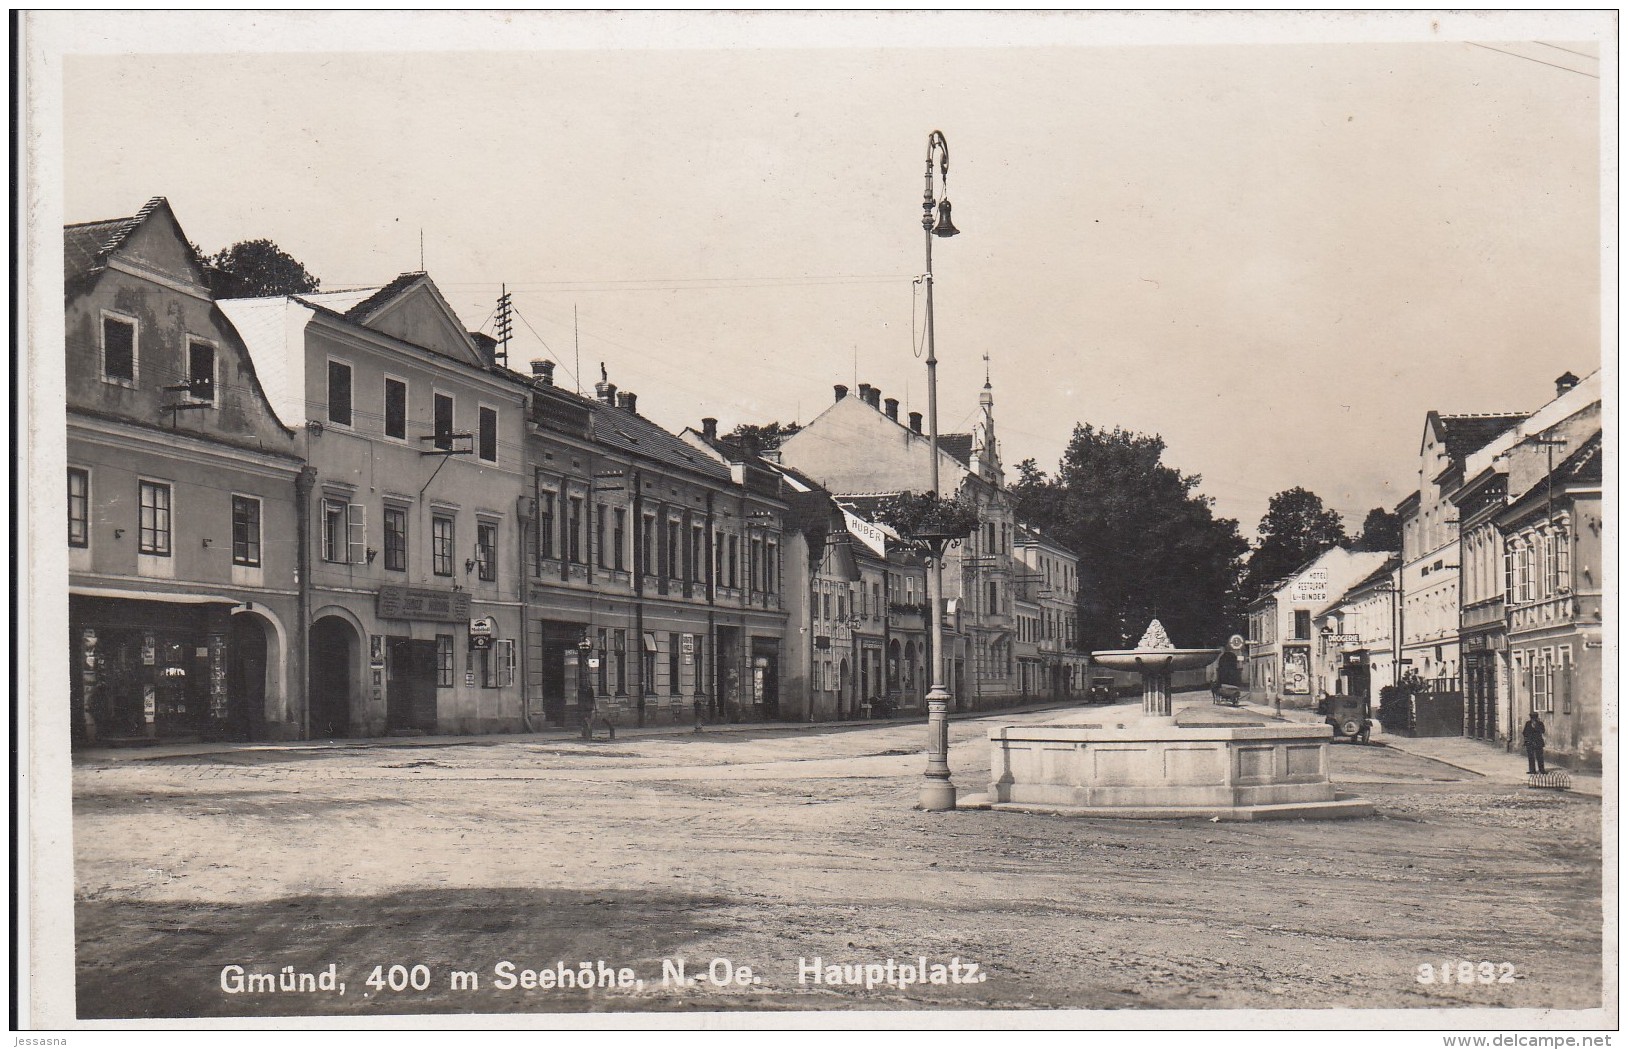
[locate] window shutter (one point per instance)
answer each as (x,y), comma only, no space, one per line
(356,533)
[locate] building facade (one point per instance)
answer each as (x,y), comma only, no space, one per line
(184,599)
(858,450)
(1429,620)
(413,439)
(1540,440)
(1283,643)
(1356,636)
(1048,589)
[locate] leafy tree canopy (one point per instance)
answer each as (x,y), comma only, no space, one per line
(1149,544)
(763,438)
(1381,531)
(249,269)
(1296,529)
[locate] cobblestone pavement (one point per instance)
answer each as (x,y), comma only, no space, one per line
(771,849)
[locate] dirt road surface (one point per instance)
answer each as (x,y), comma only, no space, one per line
(772,849)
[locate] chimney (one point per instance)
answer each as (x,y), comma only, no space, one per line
(876,398)
(841,390)
(1565,383)
(631,402)
(865,393)
(709,428)
(610,394)
(544,371)
(892,404)
(915,422)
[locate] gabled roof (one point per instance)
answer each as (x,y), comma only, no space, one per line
(1462,435)
(1582,467)
(87,245)
(1378,574)
(372,308)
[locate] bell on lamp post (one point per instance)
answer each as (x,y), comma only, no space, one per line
(945,227)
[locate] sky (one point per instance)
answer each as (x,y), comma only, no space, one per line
(1276,255)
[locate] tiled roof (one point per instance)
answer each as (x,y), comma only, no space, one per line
(620,429)
(957,445)
(1463,435)
(87,244)
(383,295)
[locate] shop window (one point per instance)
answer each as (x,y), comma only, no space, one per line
(78,507)
(647,664)
(673,654)
(118,349)
(339,390)
(395,539)
(155,519)
(395,409)
(486,549)
(245,531)
(619,638)
(443,661)
(201,370)
(486,447)
(442,532)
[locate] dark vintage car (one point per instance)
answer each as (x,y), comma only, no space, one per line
(1101,691)
(1348,717)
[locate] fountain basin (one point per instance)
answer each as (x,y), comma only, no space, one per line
(1154,768)
(1155,659)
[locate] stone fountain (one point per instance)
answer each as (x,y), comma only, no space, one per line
(1230,765)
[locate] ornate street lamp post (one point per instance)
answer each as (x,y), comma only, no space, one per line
(937,793)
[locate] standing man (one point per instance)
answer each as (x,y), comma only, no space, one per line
(1532,737)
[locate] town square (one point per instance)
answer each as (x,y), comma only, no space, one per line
(558,513)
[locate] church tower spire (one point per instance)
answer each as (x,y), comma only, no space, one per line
(988,451)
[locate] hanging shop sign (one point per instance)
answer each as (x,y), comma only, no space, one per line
(481,629)
(418,603)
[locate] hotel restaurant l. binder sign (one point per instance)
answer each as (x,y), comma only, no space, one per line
(418,603)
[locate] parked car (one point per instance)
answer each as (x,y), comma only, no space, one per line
(1348,716)
(1101,691)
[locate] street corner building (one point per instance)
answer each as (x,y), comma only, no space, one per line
(183,599)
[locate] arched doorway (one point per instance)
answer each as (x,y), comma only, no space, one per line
(334,651)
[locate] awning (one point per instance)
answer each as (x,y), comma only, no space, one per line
(650,642)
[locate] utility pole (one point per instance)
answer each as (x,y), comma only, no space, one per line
(505,324)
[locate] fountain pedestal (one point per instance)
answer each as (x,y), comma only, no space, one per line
(1230,766)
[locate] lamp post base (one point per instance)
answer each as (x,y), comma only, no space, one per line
(936,796)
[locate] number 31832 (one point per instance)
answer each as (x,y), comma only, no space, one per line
(1465,972)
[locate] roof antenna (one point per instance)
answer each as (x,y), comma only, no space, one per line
(421,249)
(577,339)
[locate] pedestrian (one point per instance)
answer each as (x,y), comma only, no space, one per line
(1532,737)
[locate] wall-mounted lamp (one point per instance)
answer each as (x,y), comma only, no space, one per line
(371,554)
(118,534)
(469,566)
(208,542)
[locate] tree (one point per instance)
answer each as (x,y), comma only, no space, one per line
(1296,529)
(250,269)
(1149,544)
(763,438)
(1381,531)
